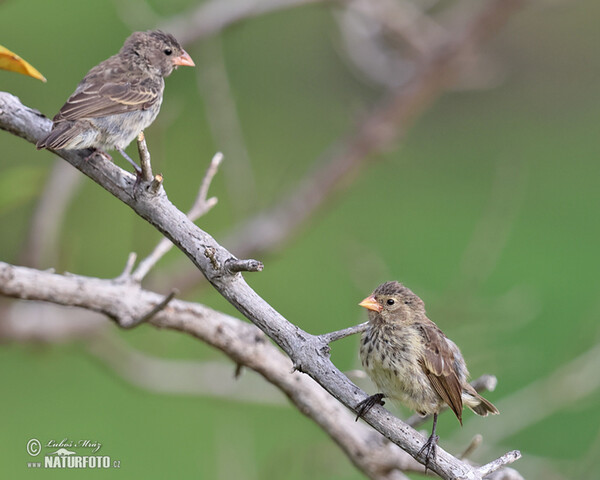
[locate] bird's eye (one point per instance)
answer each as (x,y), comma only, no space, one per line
(390,301)
(168,51)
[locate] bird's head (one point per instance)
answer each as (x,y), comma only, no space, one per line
(158,50)
(393,302)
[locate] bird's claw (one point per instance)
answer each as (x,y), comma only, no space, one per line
(368,403)
(429,449)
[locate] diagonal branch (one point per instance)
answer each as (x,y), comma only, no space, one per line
(309,353)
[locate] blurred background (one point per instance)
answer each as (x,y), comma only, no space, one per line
(487,208)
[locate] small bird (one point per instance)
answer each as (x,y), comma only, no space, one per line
(119,97)
(411,360)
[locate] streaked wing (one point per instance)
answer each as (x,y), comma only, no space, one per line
(438,365)
(101,99)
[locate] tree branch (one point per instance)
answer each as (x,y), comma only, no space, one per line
(242,342)
(309,353)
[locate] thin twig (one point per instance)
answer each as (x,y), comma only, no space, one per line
(234,265)
(346,332)
(475,442)
(157,308)
(505,459)
(201,206)
(126,274)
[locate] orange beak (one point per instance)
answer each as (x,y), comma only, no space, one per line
(184,59)
(371,304)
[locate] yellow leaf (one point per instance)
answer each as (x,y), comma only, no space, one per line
(11,61)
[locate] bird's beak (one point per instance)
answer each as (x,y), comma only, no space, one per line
(184,59)
(371,304)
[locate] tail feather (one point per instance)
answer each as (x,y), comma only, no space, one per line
(484,407)
(60,136)
(477,403)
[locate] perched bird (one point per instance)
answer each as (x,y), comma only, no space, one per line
(119,97)
(411,360)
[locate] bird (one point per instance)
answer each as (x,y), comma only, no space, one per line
(411,361)
(118,98)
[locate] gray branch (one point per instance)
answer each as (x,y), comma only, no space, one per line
(309,353)
(242,342)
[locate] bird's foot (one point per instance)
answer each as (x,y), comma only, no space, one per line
(429,449)
(368,403)
(99,153)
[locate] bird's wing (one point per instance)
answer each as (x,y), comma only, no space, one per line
(438,364)
(96,99)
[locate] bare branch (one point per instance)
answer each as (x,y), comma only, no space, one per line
(505,459)
(309,352)
(242,342)
(201,206)
(475,442)
(147,316)
(234,265)
(126,274)
(346,332)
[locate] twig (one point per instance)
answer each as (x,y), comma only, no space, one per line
(159,306)
(234,265)
(505,459)
(201,206)
(126,274)
(475,442)
(346,332)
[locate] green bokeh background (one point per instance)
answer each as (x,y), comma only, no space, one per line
(516,165)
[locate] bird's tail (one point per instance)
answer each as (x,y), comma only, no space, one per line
(61,136)
(477,403)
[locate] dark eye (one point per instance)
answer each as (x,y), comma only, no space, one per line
(168,51)
(390,301)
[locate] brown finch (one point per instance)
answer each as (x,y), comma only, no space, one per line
(411,360)
(119,97)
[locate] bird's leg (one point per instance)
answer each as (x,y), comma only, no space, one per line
(430,444)
(368,403)
(138,170)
